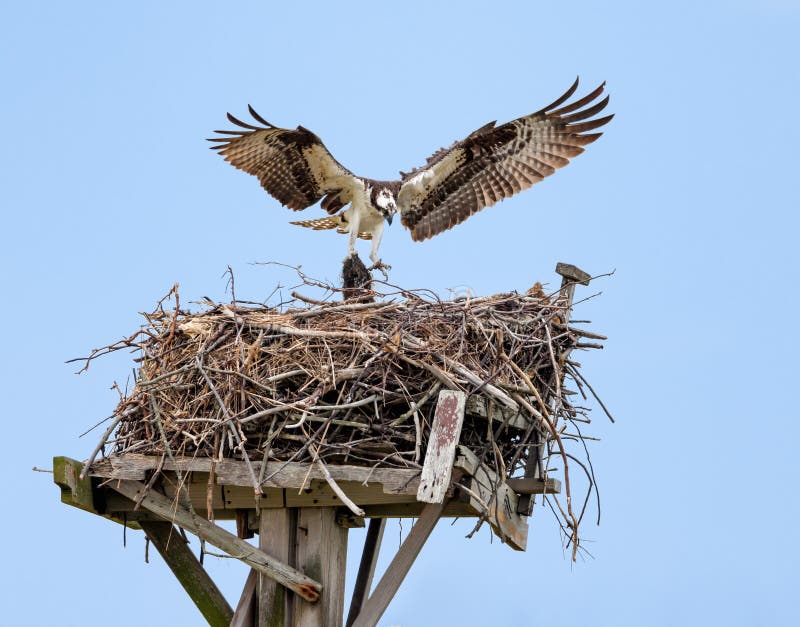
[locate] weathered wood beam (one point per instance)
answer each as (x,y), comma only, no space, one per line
(322,553)
(120,507)
(452,509)
(387,587)
(245,614)
(231,472)
(480,407)
(572,273)
(189,572)
(366,568)
(79,492)
(493,499)
(525,485)
(445,432)
(74,490)
(220,538)
(277,536)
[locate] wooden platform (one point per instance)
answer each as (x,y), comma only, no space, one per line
(380,492)
(302,511)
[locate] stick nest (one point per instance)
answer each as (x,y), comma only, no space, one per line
(357,382)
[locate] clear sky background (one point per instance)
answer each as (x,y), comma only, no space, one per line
(109,195)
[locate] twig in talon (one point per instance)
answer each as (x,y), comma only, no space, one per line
(382,267)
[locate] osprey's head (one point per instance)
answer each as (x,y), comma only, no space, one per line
(383,198)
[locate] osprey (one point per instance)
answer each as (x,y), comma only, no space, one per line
(492,163)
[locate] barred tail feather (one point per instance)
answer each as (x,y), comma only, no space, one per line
(337,222)
(320,224)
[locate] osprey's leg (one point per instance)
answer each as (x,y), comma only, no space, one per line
(373,255)
(377,234)
(354,224)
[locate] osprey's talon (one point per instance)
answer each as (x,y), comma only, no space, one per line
(384,268)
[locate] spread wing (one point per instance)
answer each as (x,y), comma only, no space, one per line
(294,166)
(497,162)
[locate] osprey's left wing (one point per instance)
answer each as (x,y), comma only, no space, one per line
(497,162)
(294,166)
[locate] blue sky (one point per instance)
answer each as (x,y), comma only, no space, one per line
(110,195)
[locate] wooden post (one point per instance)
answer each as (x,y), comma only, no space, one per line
(366,569)
(192,576)
(276,537)
(322,552)
(308,539)
(570,277)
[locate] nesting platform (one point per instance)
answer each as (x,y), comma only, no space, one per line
(300,429)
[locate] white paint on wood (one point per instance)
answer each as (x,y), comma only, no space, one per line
(445,432)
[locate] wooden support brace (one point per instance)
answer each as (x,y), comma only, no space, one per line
(189,572)
(387,587)
(220,538)
(493,499)
(366,569)
(245,614)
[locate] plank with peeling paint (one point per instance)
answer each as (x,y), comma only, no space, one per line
(445,432)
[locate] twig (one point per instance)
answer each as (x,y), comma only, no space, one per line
(339,492)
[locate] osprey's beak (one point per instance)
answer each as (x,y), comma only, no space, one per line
(390,211)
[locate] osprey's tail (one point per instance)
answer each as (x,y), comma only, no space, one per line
(320,224)
(338,222)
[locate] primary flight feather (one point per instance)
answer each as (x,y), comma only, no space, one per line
(492,163)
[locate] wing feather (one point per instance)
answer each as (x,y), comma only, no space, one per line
(495,162)
(294,166)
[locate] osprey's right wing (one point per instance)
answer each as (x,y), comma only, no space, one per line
(497,162)
(294,166)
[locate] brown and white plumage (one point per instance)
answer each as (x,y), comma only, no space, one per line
(496,162)
(293,165)
(492,163)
